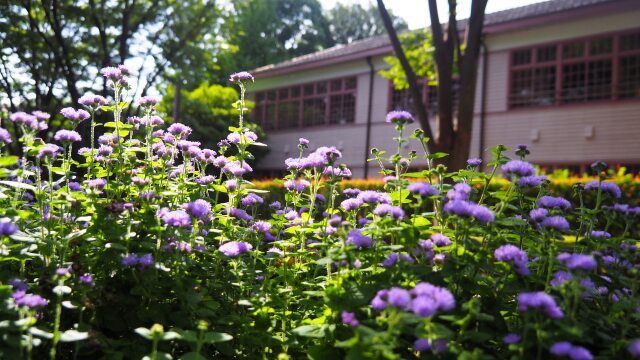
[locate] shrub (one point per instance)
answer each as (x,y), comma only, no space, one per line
(153,246)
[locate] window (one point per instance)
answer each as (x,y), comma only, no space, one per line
(331,102)
(577,71)
(402,99)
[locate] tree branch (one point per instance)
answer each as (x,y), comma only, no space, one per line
(414,90)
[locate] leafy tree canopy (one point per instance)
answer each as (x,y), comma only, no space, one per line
(353,22)
(419,50)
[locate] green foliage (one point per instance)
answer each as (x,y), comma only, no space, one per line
(209,111)
(419,50)
(353,22)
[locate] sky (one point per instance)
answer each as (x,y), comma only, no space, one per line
(416,12)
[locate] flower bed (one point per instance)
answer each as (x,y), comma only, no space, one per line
(153,246)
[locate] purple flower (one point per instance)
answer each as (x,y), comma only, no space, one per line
(607,187)
(578,261)
(41,115)
(179,129)
(298,186)
(385,209)
(231,185)
(600,234)
(518,168)
(551,202)
(531,181)
(460,191)
(351,191)
(349,318)
(303,141)
(560,277)
(634,348)
(399,298)
(240,214)
(31,301)
(421,345)
(539,301)
(337,171)
(75,115)
(205,180)
(556,222)
(148,101)
(67,136)
(423,189)
(177,218)
(359,240)
(86,279)
(7,228)
(351,204)
(394,257)
(370,196)
(98,183)
(251,199)
(113,73)
(428,299)
(399,117)
(145,261)
(574,352)
(379,302)
(199,209)
(130,260)
(538,214)
(511,339)
(474,162)
(440,240)
(512,254)
(5,136)
(240,77)
(234,248)
(234,138)
(261,226)
(468,209)
(92,101)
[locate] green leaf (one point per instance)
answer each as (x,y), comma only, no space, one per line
(73,335)
(313,331)
(8,161)
(192,356)
(18,185)
(144,332)
(216,337)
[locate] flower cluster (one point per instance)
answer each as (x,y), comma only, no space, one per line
(424,299)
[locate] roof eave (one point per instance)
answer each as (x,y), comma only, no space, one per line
(269,72)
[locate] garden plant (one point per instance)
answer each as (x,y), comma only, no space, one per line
(146,245)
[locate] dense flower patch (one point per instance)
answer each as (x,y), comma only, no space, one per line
(151,245)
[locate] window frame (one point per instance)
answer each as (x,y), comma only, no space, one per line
(560,61)
(315,94)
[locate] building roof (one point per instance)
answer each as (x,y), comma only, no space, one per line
(499,21)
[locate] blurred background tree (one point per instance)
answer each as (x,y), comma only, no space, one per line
(351,22)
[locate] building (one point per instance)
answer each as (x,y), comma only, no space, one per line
(562,76)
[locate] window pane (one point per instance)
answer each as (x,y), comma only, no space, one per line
(295,92)
(521,88)
(336,85)
(601,46)
(308,89)
(271,95)
(269,117)
(630,41)
(629,86)
(521,57)
(350,83)
(547,53)
(283,93)
(573,50)
(574,83)
(342,109)
(544,85)
(401,100)
(314,111)
(259,97)
(599,80)
(321,87)
(288,114)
